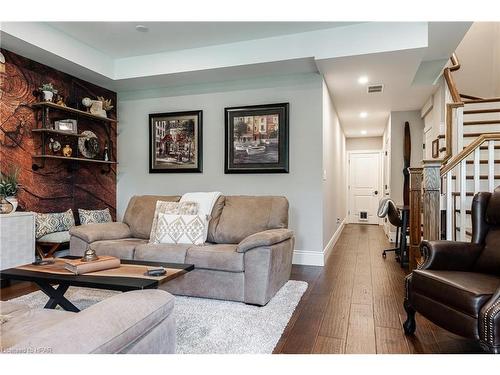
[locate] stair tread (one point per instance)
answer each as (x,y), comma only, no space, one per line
(467,212)
(468,231)
(457,194)
(478,111)
(474,101)
(482,122)
(483,161)
(481,177)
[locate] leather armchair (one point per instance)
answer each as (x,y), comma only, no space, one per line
(458,285)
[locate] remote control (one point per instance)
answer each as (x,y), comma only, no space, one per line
(156,272)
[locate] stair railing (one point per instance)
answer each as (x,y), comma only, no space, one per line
(458,164)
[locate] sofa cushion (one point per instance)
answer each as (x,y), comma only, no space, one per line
(53,222)
(246,215)
(467,292)
(215,217)
(140,212)
(123,249)
(162,252)
(103,231)
(22,322)
(216,257)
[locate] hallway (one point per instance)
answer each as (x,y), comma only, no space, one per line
(354,304)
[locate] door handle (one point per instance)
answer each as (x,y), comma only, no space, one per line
(375,192)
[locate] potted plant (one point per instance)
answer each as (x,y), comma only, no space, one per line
(9,185)
(48,91)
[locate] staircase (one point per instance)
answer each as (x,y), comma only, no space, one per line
(470,151)
(472,161)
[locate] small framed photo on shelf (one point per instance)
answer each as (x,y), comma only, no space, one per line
(68,125)
(435,148)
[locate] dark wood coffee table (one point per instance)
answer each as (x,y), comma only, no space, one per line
(45,280)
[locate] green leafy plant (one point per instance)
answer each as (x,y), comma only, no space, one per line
(47,87)
(9,182)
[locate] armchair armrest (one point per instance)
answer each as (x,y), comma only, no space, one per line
(265,238)
(449,255)
(103,231)
(109,326)
(489,332)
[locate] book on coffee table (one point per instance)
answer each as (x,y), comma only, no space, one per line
(79,267)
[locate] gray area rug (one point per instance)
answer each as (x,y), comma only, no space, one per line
(211,326)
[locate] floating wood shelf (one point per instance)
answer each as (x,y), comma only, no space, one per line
(58,132)
(74,159)
(72,110)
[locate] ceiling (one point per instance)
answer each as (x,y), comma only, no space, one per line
(395,70)
(123,40)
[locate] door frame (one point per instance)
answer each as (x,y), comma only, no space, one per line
(348,179)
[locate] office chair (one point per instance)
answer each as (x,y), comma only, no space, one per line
(388,208)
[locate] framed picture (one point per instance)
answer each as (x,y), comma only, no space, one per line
(175,142)
(256,139)
(68,125)
(435,148)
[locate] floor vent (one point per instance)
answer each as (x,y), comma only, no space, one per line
(375,88)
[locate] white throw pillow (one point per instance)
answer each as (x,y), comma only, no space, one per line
(173,208)
(185,229)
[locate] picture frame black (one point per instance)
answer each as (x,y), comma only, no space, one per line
(180,148)
(265,150)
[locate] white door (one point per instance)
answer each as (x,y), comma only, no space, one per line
(364,187)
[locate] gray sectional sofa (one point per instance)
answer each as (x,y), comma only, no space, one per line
(134,322)
(248,256)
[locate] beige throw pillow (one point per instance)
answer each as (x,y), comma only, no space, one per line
(173,208)
(185,229)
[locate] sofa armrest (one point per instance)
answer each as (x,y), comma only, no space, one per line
(103,231)
(264,238)
(449,255)
(110,326)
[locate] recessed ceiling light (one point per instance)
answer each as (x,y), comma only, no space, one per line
(363,80)
(142,28)
(363,132)
(363,115)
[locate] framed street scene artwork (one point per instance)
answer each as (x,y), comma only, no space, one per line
(175,142)
(257,139)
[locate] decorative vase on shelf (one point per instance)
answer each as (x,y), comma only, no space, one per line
(48,95)
(5,206)
(67,151)
(13,201)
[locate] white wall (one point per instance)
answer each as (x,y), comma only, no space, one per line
(397,148)
(334,174)
(364,143)
(302,186)
(479,55)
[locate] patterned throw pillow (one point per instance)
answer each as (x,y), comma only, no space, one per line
(173,208)
(53,222)
(185,229)
(94,216)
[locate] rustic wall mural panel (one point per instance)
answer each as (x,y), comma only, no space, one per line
(60,184)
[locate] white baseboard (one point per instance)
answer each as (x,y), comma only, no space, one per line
(308,258)
(317,258)
(329,246)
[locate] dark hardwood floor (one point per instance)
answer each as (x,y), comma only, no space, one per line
(352,305)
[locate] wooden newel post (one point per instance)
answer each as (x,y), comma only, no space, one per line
(431,199)
(416,175)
